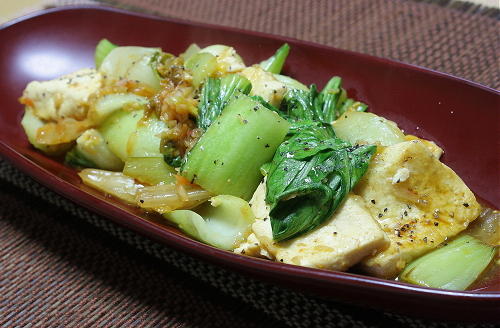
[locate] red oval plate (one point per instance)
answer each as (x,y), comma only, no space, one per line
(460,116)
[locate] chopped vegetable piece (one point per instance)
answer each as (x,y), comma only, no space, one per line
(102,49)
(117,129)
(310,175)
(275,63)
(201,65)
(164,198)
(324,106)
(134,64)
(454,266)
(77,160)
(227,158)
(192,50)
(290,83)
(113,183)
(223,223)
(108,104)
(360,127)
(216,94)
(150,170)
(146,139)
(31,123)
(91,150)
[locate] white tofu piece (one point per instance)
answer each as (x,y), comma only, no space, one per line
(227,58)
(251,247)
(264,84)
(64,97)
(342,241)
(418,201)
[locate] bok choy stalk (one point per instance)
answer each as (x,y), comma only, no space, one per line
(224,222)
(150,170)
(102,49)
(454,266)
(275,63)
(227,158)
(309,176)
(215,95)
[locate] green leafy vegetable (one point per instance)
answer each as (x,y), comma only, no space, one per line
(76,159)
(325,106)
(216,94)
(454,266)
(310,175)
(102,49)
(275,63)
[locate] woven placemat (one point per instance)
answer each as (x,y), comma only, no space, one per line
(60,268)
(458,38)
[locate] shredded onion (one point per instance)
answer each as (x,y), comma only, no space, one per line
(168,197)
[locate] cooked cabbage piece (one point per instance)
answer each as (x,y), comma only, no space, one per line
(223,222)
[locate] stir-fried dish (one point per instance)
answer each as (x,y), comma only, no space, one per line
(249,160)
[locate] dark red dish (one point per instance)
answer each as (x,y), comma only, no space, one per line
(460,116)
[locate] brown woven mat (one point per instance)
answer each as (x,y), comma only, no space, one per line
(463,40)
(59,267)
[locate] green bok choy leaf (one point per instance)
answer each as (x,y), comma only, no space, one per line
(309,176)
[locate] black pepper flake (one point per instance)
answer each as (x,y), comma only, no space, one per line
(256,108)
(399,243)
(373,201)
(335,232)
(425,239)
(385,210)
(245,121)
(466,204)
(380,215)
(265,219)
(281,260)
(405,213)
(242,251)
(436,223)
(267,146)
(141,200)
